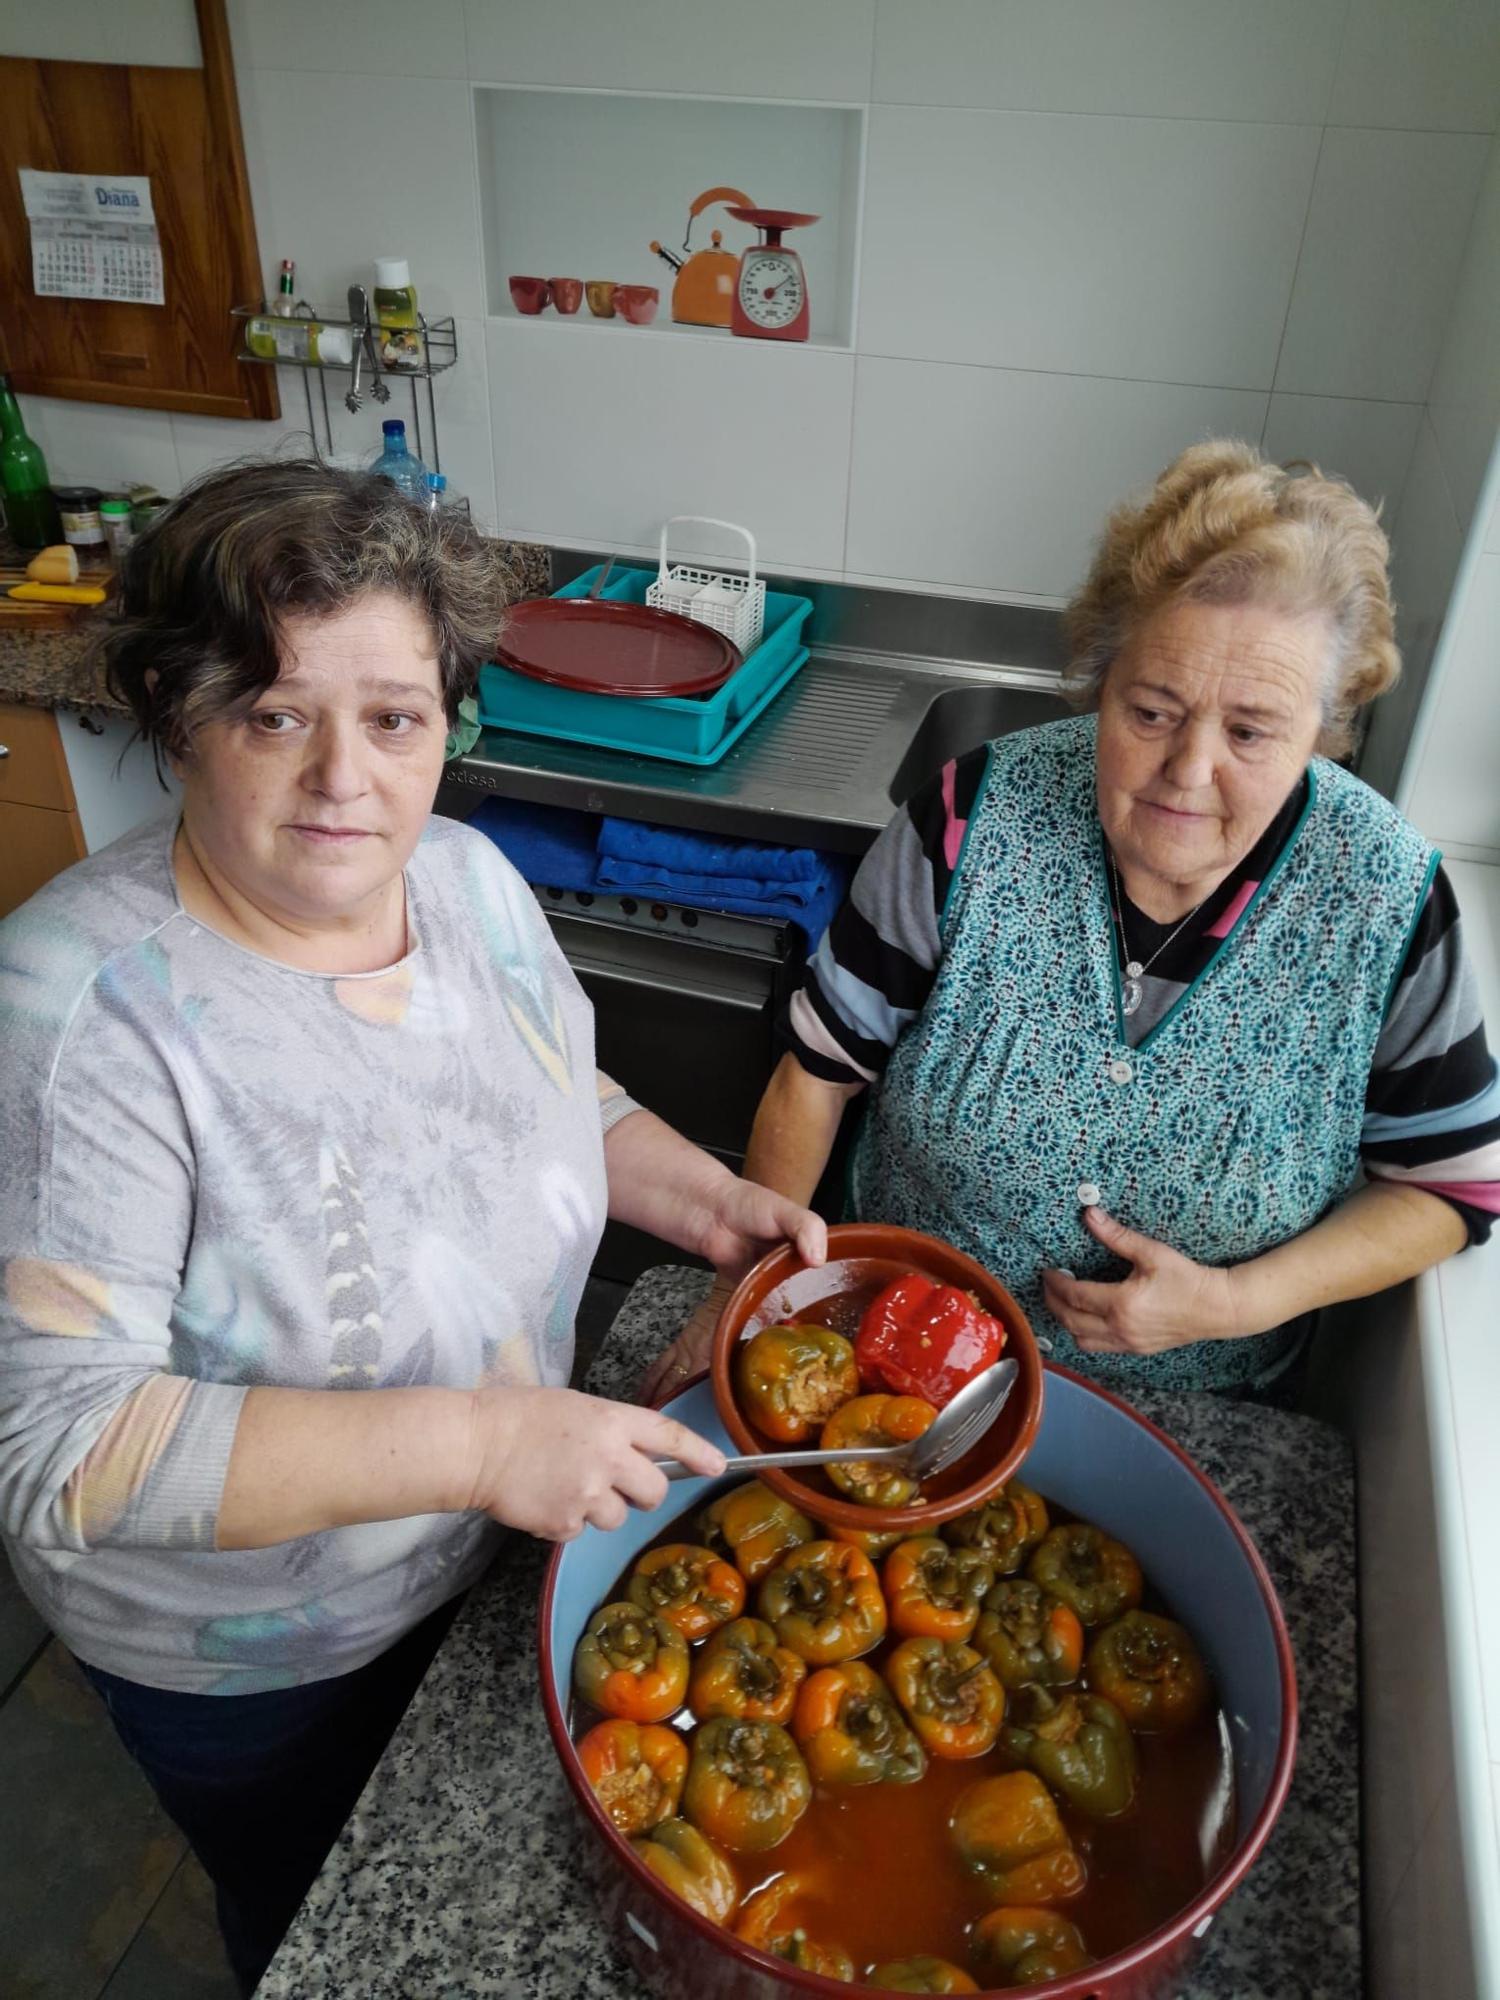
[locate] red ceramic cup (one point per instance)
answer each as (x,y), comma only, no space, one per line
(529,295)
(637,303)
(567,293)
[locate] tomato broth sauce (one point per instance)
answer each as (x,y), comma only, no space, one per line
(884,1878)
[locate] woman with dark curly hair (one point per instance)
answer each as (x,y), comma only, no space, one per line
(303,1163)
(1164,1016)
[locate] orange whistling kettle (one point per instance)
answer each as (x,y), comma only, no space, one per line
(703,290)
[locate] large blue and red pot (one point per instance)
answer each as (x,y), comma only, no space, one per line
(1097,1458)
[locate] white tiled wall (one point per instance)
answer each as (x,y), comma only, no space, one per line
(1082,245)
(1448,569)
(1091,234)
(1273,61)
(1427,540)
(993,474)
(662,427)
(1454,790)
(161,32)
(1429,66)
(1385,238)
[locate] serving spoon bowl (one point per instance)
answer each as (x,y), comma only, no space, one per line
(957,1428)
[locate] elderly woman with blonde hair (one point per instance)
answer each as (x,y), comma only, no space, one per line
(1164,1016)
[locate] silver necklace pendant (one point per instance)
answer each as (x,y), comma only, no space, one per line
(1131,990)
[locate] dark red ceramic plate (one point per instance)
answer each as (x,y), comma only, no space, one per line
(600,647)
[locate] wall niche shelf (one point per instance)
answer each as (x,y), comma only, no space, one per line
(620,329)
(577,183)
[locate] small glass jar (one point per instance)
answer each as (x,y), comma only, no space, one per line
(82,526)
(119,527)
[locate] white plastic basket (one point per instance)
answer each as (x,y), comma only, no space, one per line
(733,605)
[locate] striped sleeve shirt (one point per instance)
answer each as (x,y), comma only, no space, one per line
(1432,1106)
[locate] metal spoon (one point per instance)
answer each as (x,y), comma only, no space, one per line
(957,1428)
(359,314)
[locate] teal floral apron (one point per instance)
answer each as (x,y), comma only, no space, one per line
(1235,1123)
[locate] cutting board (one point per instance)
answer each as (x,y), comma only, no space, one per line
(17,617)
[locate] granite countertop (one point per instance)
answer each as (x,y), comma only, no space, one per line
(58,666)
(459,1871)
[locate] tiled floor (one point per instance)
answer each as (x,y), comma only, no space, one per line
(101,1899)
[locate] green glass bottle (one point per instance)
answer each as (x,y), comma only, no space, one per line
(30,511)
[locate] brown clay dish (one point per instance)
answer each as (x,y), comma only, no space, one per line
(862,1256)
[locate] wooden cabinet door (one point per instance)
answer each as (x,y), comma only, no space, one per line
(33,769)
(180,128)
(35,844)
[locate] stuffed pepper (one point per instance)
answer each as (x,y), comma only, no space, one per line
(852,1733)
(1009,1837)
(877,1421)
(691,1588)
(1021,1947)
(1088,1569)
(754,1528)
(745,1671)
(772,1921)
(791,1379)
(1151,1670)
(825,1603)
(921,1974)
(747,1785)
(1006,1529)
(631,1664)
(692,1867)
(1078,1744)
(636,1772)
(1029,1635)
(949,1694)
(873,1542)
(922,1338)
(934,1591)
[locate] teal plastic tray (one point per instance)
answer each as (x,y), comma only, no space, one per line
(685,730)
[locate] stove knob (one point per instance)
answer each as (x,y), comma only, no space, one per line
(585,897)
(629,905)
(660,912)
(690,920)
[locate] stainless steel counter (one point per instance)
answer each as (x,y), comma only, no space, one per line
(850,737)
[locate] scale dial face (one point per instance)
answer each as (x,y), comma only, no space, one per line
(772,290)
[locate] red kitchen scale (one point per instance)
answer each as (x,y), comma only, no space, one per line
(770,297)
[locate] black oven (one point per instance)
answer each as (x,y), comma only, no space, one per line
(685,1006)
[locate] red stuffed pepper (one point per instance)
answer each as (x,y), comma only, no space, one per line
(924,1339)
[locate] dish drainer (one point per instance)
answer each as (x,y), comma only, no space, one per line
(691,729)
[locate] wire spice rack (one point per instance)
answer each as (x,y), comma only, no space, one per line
(363,371)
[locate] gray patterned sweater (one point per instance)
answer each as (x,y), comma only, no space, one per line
(216,1172)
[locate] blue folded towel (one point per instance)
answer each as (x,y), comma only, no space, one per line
(552,846)
(795,885)
(702,854)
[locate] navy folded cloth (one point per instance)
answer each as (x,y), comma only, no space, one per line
(795,885)
(553,847)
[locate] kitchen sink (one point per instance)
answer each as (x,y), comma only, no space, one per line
(962,719)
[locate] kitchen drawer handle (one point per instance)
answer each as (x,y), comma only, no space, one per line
(681,989)
(4,750)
